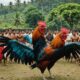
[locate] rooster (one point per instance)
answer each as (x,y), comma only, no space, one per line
(47,56)
(38,39)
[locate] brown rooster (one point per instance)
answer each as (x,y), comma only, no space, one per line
(56,50)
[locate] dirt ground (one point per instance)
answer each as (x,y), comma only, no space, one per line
(62,70)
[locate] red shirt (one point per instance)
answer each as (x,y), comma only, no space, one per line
(1,55)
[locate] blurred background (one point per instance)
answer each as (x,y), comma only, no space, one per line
(24,14)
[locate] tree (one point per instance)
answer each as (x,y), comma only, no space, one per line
(57,23)
(32,1)
(46,5)
(24,3)
(17,19)
(32,15)
(1,5)
(1,8)
(18,3)
(10,5)
(70,12)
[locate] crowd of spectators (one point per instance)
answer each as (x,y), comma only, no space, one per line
(16,34)
(73,36)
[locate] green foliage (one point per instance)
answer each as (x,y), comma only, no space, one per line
(10,21)
(47,5)
(5,25)
(57,23)
(17,19)
(69,12)
(8,13)
(33,15)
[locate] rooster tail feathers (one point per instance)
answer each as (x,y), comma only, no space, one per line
(3,40)
(72,49)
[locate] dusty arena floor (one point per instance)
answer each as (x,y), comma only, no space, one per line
(62,70)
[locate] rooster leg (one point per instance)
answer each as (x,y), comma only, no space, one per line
(4,61)
(43,77)
(50,74)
